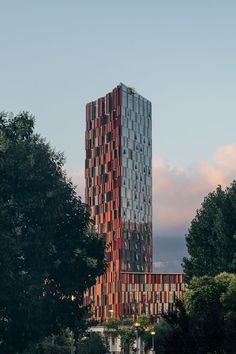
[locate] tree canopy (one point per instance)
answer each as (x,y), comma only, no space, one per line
(127,331)
(48,253)
(173,334)
(206,304)
(204,322)
(211,239)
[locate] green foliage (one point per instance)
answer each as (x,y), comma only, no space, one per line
(127,331)
(202,323)
(63,343)
(144,321)
(205,293)
(174,333)
(91,344)
(127,336)
(210,301)
(48,256)
(206,321)
(112,325)
(162,337)
(211,239)
(228,300)
(203,303)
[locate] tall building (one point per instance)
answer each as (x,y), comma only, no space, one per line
(118,191)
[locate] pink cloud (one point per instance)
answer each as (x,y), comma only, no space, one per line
(178,191)
(77,178)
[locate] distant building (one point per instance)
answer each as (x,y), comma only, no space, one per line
(118,175)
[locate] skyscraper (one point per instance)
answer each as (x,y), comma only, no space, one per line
(118,175)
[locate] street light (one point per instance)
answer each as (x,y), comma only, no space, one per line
(153,334)
(137,325)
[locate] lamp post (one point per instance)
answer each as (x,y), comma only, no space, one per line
(137,325)
(153,334)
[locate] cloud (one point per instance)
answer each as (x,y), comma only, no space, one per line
(77,178)
(168,253)
(170,266)
(178,191)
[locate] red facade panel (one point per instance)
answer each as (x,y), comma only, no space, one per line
(103,178)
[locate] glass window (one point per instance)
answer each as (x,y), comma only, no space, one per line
(130,101)
(124,97)
(136,103)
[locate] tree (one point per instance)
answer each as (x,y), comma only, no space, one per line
(211,243)
(126,330)
(228,300)
(211,239)
(173,334)
(63,343)
(91,344)
(209,303)
(127,337)
(203,304)
(204,322)
(48,255)
(121,328)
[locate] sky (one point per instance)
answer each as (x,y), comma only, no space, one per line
(56,55)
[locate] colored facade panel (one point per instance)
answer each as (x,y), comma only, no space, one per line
(118,191)
(102,170)
(129,295)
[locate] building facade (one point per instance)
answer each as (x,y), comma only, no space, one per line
(118,191)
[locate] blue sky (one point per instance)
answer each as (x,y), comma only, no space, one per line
(56,55)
